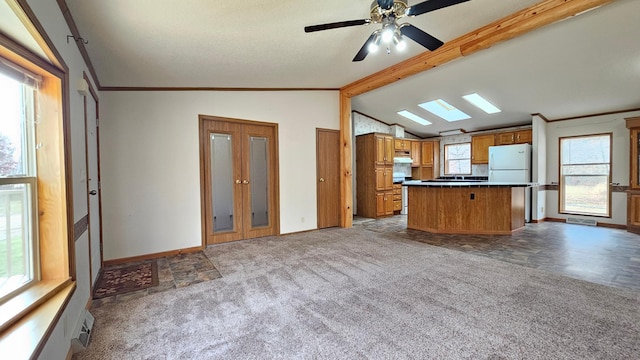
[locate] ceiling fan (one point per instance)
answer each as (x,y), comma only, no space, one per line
(387,13)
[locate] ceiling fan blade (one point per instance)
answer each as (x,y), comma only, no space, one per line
(336,25)
(364,51)
(421,37)
(431,5)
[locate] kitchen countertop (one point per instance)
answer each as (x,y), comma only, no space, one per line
(479,184)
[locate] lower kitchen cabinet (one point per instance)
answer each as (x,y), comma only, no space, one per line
(384,203)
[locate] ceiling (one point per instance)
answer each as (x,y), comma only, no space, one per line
(587,64)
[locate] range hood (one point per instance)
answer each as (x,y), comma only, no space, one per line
(402,160)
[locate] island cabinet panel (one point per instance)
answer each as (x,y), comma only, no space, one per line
(422,209)
(374,175)
(466,210)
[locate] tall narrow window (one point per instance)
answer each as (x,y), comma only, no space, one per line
(18,235)
(585,174)
(457,159)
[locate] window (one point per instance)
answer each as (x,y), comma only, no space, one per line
(457,159)
(585,172)
(18,238)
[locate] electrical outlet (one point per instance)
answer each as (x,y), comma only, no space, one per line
(542,209)
(302,219)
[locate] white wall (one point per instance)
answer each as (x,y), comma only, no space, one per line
(150,161)
(49,15)
(538,166)
(614,124)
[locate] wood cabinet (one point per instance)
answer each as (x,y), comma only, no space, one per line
(415,153)
(397,198)
(514,137)
(480,148)
(429,162)
(402,144)
(374,175)
(633,194)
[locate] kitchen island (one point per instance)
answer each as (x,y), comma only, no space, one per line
(460,207)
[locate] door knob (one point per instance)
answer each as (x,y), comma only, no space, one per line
(238,181)
(93,192)
(245,181)
(321,179)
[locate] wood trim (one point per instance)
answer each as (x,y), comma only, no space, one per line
(66,13)
(35,29)
(80,227)
(594,115)
(632,122)
(142,88)
(346,162)
(152,256)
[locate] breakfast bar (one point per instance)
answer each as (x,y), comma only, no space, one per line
(460,207)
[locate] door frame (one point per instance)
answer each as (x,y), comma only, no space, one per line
(203,166)
(94,96)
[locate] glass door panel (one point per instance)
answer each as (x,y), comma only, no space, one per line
(259,170)
(222,184)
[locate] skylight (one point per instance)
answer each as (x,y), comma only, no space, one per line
(444,110)
(482,103)
(411,116)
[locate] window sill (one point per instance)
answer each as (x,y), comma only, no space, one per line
(27,319)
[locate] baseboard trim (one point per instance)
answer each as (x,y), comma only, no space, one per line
(300,232)
(152,256)
(600,224)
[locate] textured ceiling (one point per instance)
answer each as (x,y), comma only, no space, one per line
(250,43)
(586,64)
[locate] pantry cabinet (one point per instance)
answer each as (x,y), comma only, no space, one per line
(374,175)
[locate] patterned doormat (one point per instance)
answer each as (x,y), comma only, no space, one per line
(124,279)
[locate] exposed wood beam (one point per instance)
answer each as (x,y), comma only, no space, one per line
(514,25)
(544,13)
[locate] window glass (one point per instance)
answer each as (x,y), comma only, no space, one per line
(585,175)
(17,186)
(457,159)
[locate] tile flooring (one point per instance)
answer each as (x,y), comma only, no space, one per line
(606,256)
(601,255)
(173,272)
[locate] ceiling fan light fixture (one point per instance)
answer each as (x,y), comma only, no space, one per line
(375,44)
(388,33)
(399,42)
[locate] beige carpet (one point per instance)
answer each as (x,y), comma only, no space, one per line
(354,294)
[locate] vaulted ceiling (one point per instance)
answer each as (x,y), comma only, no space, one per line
(586,64)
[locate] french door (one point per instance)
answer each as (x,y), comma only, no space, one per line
(240,179)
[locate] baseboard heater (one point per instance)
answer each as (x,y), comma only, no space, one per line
(590,222)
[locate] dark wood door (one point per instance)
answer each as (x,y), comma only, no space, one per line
(328,177)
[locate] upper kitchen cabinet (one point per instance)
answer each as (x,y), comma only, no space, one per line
(415,153)
(429,162)
(514,137)
(402,145)
(384,149)
(480,148)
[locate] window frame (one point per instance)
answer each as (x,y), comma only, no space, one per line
(446,159)
(30,316)
(561,177)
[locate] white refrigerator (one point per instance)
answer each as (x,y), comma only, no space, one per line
(512,163)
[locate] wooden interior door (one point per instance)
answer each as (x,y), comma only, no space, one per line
(239,171)
(328,173)
(222,155)
(259,174)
